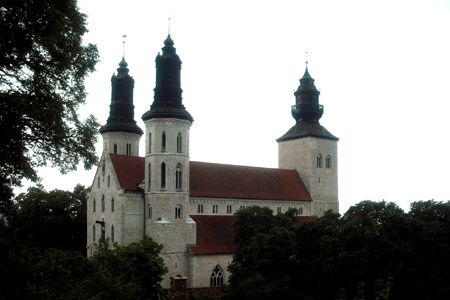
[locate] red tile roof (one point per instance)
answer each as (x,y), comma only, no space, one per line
(129,169)
(242,182)
(215,235)
(222,181)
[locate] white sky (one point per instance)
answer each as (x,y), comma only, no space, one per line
(383,68)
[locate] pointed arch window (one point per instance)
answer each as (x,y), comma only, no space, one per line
(112,233)
(163,176)
(103,203)
(149,177)
(149,211)
(179,177)
(150,142)
(178,211)
(319,161)
(179,145)
(163,142)
(216,276)
(115,148)
(112,204)
(93,205)
(328,162)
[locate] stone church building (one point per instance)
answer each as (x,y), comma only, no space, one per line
(188,206)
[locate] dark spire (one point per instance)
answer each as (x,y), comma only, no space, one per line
(167,101)
(121,109)
(307,111)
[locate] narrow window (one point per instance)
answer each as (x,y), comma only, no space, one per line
(229,209)
(98,182)
(128,148)
(163,176)
(112,205)
(149,143)
(242,207)
(109,181)
(149,174)
(178,177)
(300,210)
(178,212)
(103,203)
(115,148)
(200,208)
(216,276)
(278,210)
(112,233)
(328,162)
(93,205)
(179,140)
(319,160)
(149,211)
(163,142)
(93,233)
(215,209)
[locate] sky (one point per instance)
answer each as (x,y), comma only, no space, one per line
(383,69)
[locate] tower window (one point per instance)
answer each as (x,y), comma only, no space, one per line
(109,181)
(163,176)
(93,233)
(115,148)
(319,161)
(178,212)
(178,177)
(163,142)
(200,208)
(216,276)
(103,203)
(128,149)
(112,205)
(150,143)
(112,233)
(149,211)
(229,209)
(98,182)
(179,140)
(149,180)
(328,162)
(93,205)
(215,209)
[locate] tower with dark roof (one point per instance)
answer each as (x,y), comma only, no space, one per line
(121,134)
(311,149)
(167,125)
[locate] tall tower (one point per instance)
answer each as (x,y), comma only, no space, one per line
(310,149)
(167,125)
(121,135)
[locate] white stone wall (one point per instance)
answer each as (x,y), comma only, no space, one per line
(303,206)
(322,183)
(201,266)
(121,139)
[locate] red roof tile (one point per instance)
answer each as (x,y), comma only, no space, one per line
(129,169)
(215,235)
(242,182)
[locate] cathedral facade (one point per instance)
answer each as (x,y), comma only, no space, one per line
(188,206)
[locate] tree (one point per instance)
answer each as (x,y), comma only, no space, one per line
(42,70)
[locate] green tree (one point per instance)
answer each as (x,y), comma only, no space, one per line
(42,70)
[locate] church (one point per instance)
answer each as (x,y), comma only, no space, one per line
(188,206)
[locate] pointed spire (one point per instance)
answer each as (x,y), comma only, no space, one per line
(121,113)
(307,106)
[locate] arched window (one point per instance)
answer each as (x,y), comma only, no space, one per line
(109,181)
(178,177)
(98,182)
(93,233)
(103,203)
(112,233)
(93,205)
(163,142)
(149,211)
(163,176)
(215,208)
(319,160)
(200,208)
(112,205)
(179,147)
(178,212)
(115,148)
(149,177)
(128,149)
(216,276)
(229,209)
(328,162)
(150,142)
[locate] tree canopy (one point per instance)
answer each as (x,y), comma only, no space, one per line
(42,70)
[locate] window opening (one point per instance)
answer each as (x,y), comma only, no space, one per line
(112,233)
(163,176)
(216,276)
(319,161)
(149,143)
(328,162)
(200,208)
(149,211)
(229,209)
(278,210)
(179,140)
(163,142)
(109,181)
(103,203)
(149,182)
(98,182)
(93,233)
(112,205)
(215,209)
(178,177)
(115,148)
(178,212)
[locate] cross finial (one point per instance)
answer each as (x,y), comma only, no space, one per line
(123,44)
(306,57)
(169,23)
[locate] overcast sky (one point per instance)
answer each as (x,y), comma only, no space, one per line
(383,68)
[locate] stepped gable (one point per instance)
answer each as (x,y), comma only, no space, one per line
(129,170)
(242,182)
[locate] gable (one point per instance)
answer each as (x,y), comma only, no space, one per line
(129,170)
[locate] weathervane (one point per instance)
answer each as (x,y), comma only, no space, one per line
(123,44)
(169,23)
